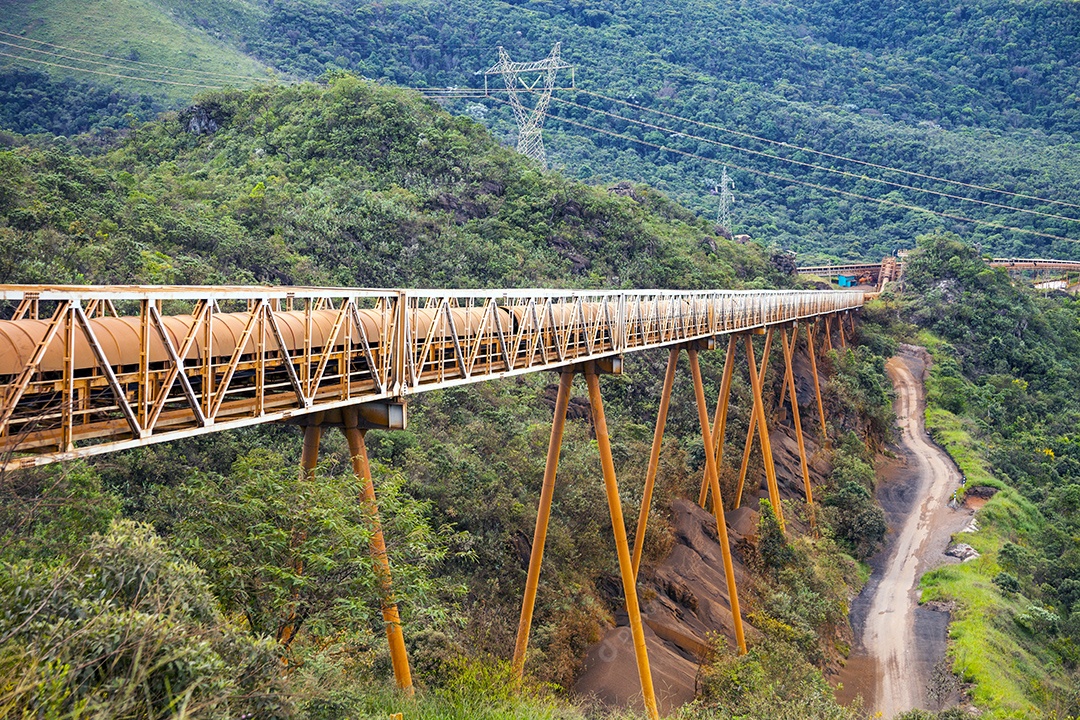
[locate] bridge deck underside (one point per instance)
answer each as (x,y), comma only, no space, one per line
(91,370)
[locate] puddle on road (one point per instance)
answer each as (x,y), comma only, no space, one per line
(858,678)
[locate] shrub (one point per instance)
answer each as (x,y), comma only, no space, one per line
(771,682)
(772,547)
(1039,621)
(129,630)
(856,520)
(1008,583)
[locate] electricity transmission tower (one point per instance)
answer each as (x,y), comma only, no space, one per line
(723,189)
(531,77)
(727,200)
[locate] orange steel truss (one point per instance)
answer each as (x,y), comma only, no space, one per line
(1036,264)
(86,370)
(832,271)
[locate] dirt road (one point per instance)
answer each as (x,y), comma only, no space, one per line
(892,631)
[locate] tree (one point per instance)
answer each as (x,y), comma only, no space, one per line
(127,630)
(288,553)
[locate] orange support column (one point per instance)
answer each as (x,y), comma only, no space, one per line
(828,332)
(763,434)
(789,376)
(309,455)
(817,384)
(309,459)
(718,502)
(626,569)
(744,466)
(543,514)
(398,656)
(654,457)
(720,420)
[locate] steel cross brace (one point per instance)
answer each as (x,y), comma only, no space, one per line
(592,371)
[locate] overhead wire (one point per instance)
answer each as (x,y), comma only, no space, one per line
(816,186)
(822,153)
(114,59)
(813,166)
(109,74)
(430,92)
(118,66)
(465,93)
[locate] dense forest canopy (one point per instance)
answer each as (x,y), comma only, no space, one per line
(983,92)
(353,185)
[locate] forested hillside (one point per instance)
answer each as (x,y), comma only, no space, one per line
(352,185)
(983,92)
(1003,401)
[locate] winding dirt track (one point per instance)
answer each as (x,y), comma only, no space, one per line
(889,635)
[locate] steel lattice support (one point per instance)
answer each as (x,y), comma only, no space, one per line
(712,479)
(718,501)
(354,422)
(727,200)
(812,352)
(744,465)
(543,514)
(536,78)
(591,371)
(654,456)
(104,369)
(789,384)
(399,658)
(626,570)
(719,427)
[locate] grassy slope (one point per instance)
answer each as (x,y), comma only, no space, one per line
(124,28)
(1010,669)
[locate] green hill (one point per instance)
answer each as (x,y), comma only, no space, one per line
(983,92)
(162,41)
(352,184)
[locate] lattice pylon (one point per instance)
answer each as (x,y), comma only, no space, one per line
(542,74)
(727,200)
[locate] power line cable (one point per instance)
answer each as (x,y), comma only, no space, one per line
(816,186)
(133,62)
(822,168)
(108,74)
(118,66)
(822,153)
(912,173)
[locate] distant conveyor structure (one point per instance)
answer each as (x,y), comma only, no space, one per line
(1043,273)
(86,370)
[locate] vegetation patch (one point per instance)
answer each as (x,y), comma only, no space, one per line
(996,403)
